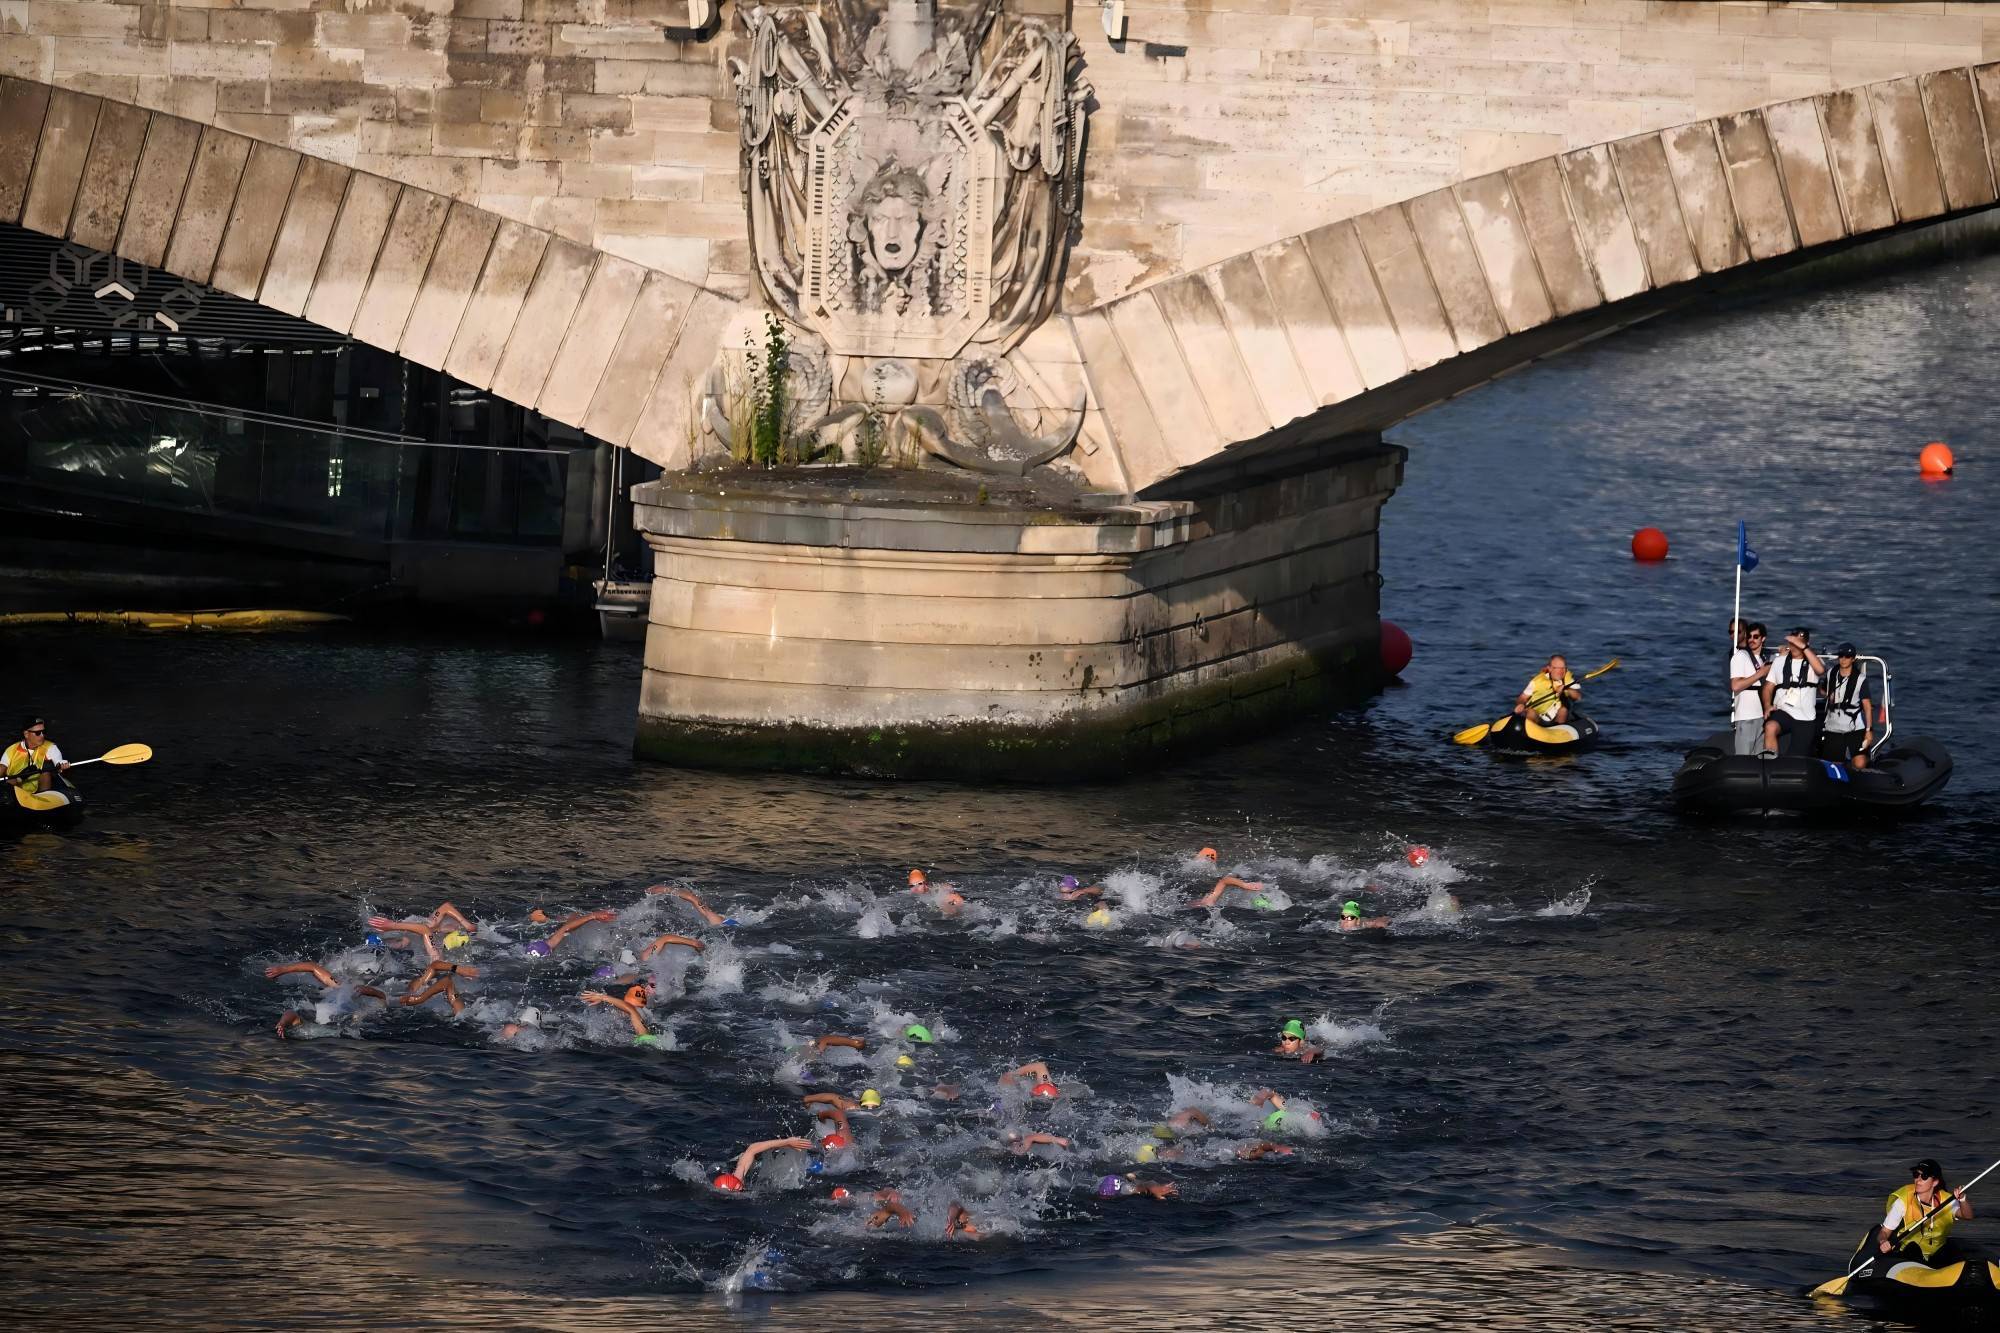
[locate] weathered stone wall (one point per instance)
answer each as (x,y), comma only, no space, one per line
(1266,118)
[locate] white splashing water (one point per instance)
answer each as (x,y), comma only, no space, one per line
(1570,904)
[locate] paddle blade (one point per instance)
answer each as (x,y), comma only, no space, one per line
(1837,1287)
(1472,735)
(135,753)
(1608,666)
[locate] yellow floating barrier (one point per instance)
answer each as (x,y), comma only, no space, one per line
(226,621)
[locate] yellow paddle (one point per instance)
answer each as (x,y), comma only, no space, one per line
(1838,1286)
(1476,734)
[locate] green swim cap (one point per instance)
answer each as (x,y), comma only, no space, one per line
(1273,1120)
(1260,901)
(1165,1133)
(1350,908)
(917,1032)
(645,1039)
(1294,1028)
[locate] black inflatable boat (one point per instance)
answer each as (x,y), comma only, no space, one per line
(1714,779)
(1966,1285)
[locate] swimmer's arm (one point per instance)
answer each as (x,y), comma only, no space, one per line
(318,973)
(1052,1140)
(1182,1119)
(1034,1069)
(450,910)
(415,996)
(748,1157)
(575,923)
(836,1115)
(832,1099)
(1232,882)
(372,993)
(684,941)
(958,1222)
(1071,895)
(1265,1096)
(693,900)
(1167,1191)
(1251,1152)
(834,1039)
(286,1022)
(631,1012)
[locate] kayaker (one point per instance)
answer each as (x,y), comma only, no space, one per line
(1906,1235)
(34,760)
(1549,693)
(1791,695)
(1849,726)
(1747,670)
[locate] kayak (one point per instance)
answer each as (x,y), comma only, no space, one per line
(1969,1284)
(49,809)
(1526,736)
(1714,779)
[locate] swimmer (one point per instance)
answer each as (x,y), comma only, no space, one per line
(688,896)
(1351,918)
(576,923)
(833,1099)
(889,1204)
(1257,1152)
(958,1222)
(683,941)
(836,1117)
(291,1018)
(747,1159)
(1188,1119)
(440,978)
(949,899)
(1071,891)
(945,1092)
(1034,1069)
(1292,1043)
(422,930)
(630,1005)
(529,1019)
(1223,885)
(1021,1144)
(820,1045)
(1098,918)
(1207,854)
(1111,1187)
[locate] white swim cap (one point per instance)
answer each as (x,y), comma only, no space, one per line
(529,1016)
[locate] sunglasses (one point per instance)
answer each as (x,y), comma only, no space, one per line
(34,731)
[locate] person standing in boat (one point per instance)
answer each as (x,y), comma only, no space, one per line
(1550,694)
(1848,728)
(1747,669)
(1791,695)
(1917,1227)
(34,761)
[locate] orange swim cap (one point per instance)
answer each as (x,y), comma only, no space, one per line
(639,994)
(1207,854)
(917,877)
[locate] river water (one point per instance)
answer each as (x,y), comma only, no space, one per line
(1647,1074)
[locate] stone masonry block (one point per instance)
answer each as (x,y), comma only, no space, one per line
(1186,432)
(23,108)
(447,286)
(1455,269)
(1858,174)
(1398,264)
(663,432)
(157,187)
(204,212)
(636,360)
(350,255)
(107,175)
(495,303)
(1307,320)
(1259,332)
(1655,208)
(1986,85)
(302,236)
(1952,108)
(400,267)
(59,161)
(1910,162)
(593,332)
(1695,162)
(544,319)
(1543,202)
(1759,194)
(253,220)
(1212,358)
(1114,388)
(1799,143)
(1493,221)
(1349,283)
(1610,241)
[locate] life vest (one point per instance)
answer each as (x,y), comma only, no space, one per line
(1928,1237)
(20,758)
(1787,681)
(1844,696)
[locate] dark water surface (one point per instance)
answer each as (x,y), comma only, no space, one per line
(1652,1075)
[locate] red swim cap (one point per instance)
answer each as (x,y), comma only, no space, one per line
(834,1141)
(839,1192)
(729,1183)
(1416,856)
(1046,1090)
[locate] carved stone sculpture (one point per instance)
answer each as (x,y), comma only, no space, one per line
(912,180)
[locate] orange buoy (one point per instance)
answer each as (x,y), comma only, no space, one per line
(1396,648)
(1649,545)
(1936,459)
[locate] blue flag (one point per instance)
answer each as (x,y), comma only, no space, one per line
(1746,559)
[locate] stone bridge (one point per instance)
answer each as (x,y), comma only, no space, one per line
(1295,223)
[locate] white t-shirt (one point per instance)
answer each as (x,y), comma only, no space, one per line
(1799,698)
(1748,706)
(1895,1217)
(1838,720)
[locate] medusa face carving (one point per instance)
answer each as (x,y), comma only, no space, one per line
(894,226)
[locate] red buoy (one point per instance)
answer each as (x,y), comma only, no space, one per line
(1396,649)
(1649,545)
(1936,459)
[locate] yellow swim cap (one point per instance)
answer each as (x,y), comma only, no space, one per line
(905,1062)
(870,1097)
(1147,1152)
(458,939)
(1099,917)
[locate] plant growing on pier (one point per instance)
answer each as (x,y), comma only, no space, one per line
(769,439)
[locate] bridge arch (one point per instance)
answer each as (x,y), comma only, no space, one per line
(1249,364)
(586,338)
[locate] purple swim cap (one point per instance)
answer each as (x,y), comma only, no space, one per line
(1109,1187)
(539,948)
(604,971)
(1071,882)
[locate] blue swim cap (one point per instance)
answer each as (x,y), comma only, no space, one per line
(815,1166)
(373,941)
(731,921)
